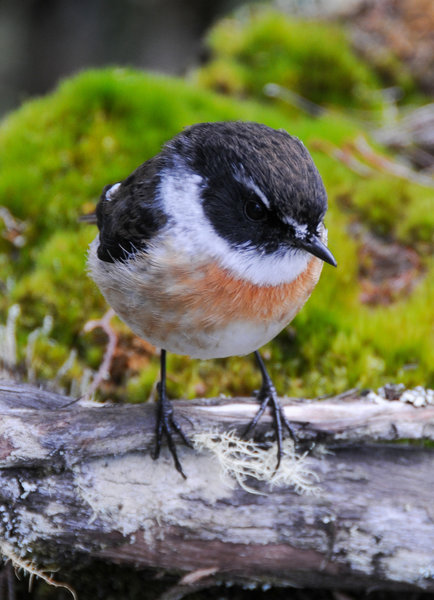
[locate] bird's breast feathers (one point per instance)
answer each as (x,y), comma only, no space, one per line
(196,307)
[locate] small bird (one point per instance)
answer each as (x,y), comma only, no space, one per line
(211,247)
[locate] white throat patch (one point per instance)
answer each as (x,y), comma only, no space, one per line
(191,231)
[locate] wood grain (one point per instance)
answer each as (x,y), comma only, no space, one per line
(77,481)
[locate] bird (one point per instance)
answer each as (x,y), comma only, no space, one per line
(210,248)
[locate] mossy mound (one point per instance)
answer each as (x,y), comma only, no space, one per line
(313,59)
(56,154)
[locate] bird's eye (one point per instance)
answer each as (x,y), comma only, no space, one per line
(255,210)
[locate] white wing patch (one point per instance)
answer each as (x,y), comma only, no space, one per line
(111,191)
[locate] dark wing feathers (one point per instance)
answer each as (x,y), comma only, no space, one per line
(131,215)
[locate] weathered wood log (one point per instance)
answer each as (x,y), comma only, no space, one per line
(76,478)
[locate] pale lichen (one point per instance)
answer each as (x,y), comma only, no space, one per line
(104,369)
(417,396)
(29,568)
(24,351)
(8,342)
(242,460)
(43,331)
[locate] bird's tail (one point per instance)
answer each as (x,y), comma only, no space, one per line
(90,218)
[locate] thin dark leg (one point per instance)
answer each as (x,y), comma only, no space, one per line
(166,423)
(7,582)
(268,395)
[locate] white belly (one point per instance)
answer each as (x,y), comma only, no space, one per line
(236,338)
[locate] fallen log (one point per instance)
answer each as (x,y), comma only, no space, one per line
(77,481)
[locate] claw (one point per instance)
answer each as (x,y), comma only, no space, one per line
(268,395)
(166,423)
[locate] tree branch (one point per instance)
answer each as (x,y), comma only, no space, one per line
(76,478)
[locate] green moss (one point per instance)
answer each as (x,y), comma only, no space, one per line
(310,58)
(392,207)
(56,154)
(140,386)
(392,72)
(57,285)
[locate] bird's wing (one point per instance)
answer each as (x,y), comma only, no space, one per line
(129,214)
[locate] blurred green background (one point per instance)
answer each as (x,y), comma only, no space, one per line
(369,322)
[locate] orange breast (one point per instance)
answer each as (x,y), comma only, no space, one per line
(201,309)
(216,295)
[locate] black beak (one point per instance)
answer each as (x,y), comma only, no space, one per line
(314,246)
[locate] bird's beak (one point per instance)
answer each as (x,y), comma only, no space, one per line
(314,246)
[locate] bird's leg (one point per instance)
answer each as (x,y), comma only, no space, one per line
(7,582)
(268,396)
(166,423)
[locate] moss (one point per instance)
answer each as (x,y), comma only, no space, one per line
(392,207)
(57,285)
(56,154)
(392,72)
(140,386)
(310,58)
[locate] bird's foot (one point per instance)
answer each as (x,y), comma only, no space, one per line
(168,426)
(267,396)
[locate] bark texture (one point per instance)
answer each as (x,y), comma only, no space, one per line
(77,480)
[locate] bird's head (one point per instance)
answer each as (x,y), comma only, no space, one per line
(247,195)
